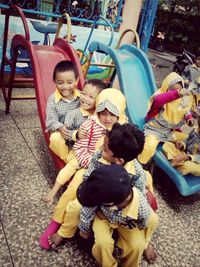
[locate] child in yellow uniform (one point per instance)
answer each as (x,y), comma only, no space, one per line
(191,76)
(64,99)
(120,207)
(169,107)
(185,156)
(110,107)
(72,122)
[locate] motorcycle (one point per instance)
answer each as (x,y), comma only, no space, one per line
(158,41)
(186,58)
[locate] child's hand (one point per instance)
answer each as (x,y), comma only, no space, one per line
(64,132)
(183,92)
(179,145)
(82,133)
(178,159)
(84,235)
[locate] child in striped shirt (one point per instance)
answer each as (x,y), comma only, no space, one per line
(72,123)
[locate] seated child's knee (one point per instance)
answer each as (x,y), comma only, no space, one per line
(55,137)
(107,242)
(153,220)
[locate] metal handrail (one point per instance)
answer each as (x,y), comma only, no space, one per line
(57,14)
(91,32)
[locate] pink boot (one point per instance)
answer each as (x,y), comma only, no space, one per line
(51,229)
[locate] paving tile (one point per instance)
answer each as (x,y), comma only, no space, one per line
(5,259)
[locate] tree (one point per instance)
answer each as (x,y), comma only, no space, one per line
(189,7)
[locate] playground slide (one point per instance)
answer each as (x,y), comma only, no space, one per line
(137,82)
(43,60)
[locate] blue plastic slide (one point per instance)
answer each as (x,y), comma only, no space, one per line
(137,82)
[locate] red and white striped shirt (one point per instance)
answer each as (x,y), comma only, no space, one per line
(85,148)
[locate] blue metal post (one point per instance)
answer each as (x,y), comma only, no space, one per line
(147,22)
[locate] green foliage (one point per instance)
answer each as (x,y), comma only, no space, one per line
(180,18)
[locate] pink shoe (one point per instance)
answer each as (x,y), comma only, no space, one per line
(51,229)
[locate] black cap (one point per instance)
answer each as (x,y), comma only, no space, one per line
(106,184)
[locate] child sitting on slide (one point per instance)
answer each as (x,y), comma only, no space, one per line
(169,107)
(185,155)
(73,120)
(64,99)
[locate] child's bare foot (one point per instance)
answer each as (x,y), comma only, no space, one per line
(55,240)
(49,197)
(150,254)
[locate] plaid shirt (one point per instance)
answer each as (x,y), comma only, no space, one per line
(192,146)
(74,119)
(137,175)
(135,214)
(135,170)
(57,109)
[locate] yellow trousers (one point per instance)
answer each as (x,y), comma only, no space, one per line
(151,143)
(71,219)
(185,167)
(72,213)
(149,181)
(69,170)
(133,242)
(58,146)
(68,195)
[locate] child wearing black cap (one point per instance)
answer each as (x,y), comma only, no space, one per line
(118,206)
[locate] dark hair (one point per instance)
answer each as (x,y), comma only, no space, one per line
(126,141)
(198,121)
(96,83)
(63,66)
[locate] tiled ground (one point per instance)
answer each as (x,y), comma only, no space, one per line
(27,172)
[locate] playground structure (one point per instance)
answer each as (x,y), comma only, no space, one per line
(125,58)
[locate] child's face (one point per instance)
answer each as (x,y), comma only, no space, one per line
(107,154)
(107,118)
(66,83)
(176,86)
(88,97)
(197,61)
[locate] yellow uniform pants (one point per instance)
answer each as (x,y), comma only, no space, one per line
(71,219)
(69,170)
(151,143)
(133,242)
(149,181)
(72,213)
(68,195)
(58,146)
(184,167)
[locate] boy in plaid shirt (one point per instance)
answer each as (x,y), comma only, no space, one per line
(119,206)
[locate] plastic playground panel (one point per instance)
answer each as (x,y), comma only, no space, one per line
(137,82)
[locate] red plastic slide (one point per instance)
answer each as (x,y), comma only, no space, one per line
(43,60)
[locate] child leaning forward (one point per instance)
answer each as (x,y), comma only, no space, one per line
(120,207)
